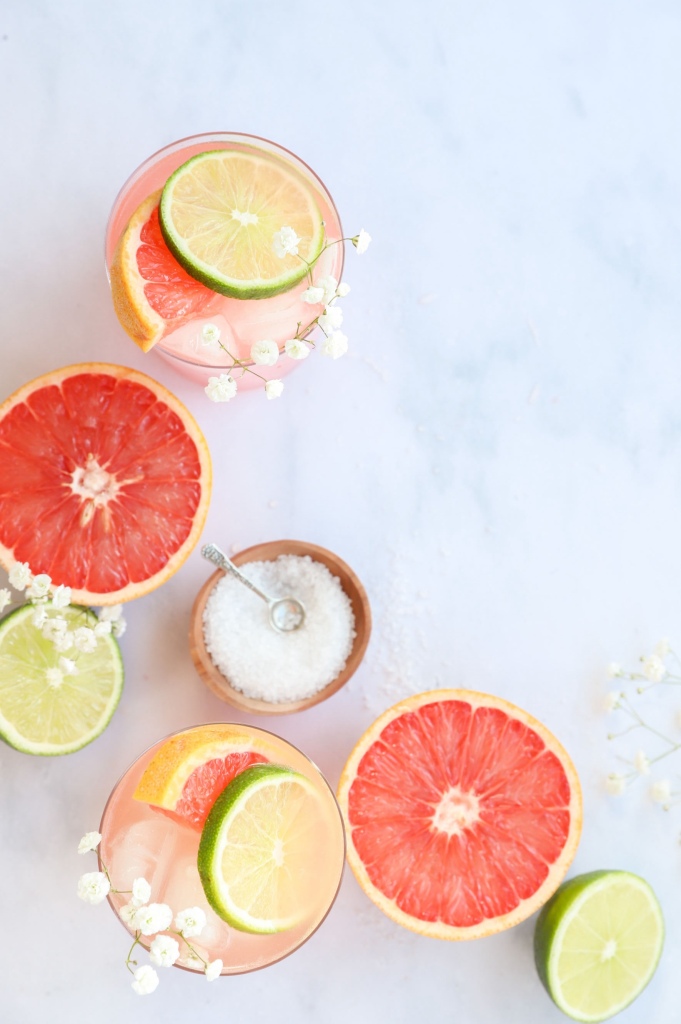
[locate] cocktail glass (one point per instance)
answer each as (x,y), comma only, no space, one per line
(140,841)
(242,322)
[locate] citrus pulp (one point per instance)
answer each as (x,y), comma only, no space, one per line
(104,481)
(463,813)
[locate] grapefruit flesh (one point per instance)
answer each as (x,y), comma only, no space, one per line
(152,294)
(463,813)
(189,772)
(104,481)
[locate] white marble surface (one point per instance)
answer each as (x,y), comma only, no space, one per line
(498,456)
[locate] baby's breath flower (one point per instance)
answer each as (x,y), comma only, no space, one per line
(615,784)
(313,295)
(118,627)
(285,242)
(39,616)
(654,668)
(614,670)
(93,887)
(102,628)
(662,648)
(20,576)
(110,613)
(221,389)
(40,586)
(54,677)
(63,641)
(361,241)
(642,763)
(61,596)
(213,970)
(297,349)
(146,980)
(127,913)
(331,319)
(190,922)
(89,842)
(68,666)
(265,352)
(274,388)
(210,334)
(85,639)
(611,700)
(5,598)
(164,951)
(141,892)
(55,628)
(661,791)
(343,290)
(154,918)
(329,286)
(335,346)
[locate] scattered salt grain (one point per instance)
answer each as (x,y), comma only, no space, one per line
(279,667)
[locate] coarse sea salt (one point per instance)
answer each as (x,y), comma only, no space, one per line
(263,663)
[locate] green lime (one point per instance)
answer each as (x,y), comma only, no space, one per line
(220,212)
(43,708)
(257,853)
(597,943)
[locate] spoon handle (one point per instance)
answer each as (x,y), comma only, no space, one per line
(213,553)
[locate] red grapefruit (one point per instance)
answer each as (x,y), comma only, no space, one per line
(463,813)
(187,774)
(152,294)
(104,481)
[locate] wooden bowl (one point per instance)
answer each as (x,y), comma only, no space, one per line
(221,686)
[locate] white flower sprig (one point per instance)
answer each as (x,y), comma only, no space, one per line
(322,292)
(655,671)
(49,600)
(145,919)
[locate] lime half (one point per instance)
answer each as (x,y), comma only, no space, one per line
(43,709)
(219,214)
(597,943)
(257,855)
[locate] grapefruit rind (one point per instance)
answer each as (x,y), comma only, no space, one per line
(42,705)
(164,778)
(133,589)
(250,847)
(557,871)
(142,323)
(197,215)
(553,923)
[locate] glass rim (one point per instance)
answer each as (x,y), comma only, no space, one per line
(268,732)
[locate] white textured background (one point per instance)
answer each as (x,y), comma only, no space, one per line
(497,458)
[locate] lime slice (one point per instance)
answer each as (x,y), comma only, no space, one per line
(597,943)
(220,211)
(42,709)
(257,853)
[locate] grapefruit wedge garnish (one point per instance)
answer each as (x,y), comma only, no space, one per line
(189,772)
(152,294)
(463,813)
(104,481)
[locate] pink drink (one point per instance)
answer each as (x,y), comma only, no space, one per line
(241,321)
(138,841)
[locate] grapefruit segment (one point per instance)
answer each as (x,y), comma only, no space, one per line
(463,813)
(152,294)
(104,481)
(189,772)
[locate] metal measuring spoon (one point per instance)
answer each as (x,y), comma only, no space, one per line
(286,613)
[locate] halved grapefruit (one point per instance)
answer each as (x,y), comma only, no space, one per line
(463,813)
(152,294)
(189,772)
(104,481)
